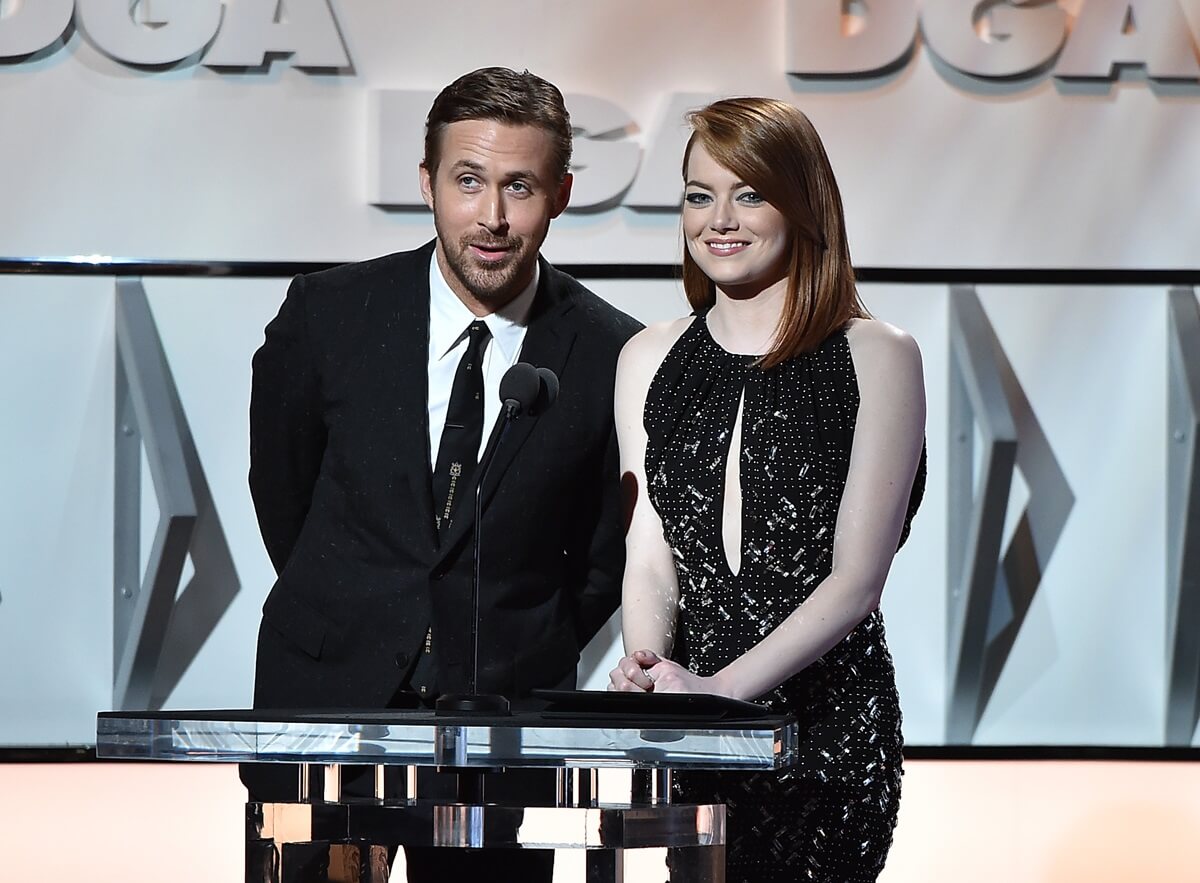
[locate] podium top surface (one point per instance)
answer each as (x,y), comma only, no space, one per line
(571,738)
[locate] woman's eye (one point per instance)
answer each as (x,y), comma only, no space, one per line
(750,198)
(697,199)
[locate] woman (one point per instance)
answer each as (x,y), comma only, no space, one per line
(774,444)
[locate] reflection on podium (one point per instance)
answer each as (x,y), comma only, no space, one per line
(329,834)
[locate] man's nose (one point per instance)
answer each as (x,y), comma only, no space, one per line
(491,213)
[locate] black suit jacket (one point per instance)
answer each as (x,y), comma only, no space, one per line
(340,476)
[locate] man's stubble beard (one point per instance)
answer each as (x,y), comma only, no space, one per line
(489,285)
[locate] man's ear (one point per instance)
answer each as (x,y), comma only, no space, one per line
(426,186)
(563,196)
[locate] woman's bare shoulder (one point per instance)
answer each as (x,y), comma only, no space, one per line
(879,345)
(887,361)
(646,350)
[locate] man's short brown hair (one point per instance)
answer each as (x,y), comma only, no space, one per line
(497,93)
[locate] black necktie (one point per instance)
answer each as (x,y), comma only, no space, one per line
(458,452)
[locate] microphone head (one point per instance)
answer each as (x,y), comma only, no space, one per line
(519,388)
(547,390)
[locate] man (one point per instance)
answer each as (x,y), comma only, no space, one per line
(374,394)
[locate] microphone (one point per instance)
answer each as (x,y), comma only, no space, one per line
(519,388)
(524,390)
(547,390)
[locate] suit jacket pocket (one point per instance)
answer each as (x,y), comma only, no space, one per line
(297,621)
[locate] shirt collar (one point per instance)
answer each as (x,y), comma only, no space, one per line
(449,316)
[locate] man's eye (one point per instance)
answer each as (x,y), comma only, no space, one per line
(469,181)
(519,187)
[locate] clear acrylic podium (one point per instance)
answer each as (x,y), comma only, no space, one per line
(352,839)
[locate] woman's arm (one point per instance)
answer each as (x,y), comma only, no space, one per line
(888,437)
(650,590)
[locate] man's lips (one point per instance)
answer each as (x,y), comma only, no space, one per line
(491,252)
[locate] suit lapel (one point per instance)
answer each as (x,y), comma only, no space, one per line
(547,344)
(404,320)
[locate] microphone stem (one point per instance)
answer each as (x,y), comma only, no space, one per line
(485,463)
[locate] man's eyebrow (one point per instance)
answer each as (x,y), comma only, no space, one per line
(522,173)
(468,164)
(471,165)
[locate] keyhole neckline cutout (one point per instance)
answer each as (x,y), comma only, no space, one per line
(732,508)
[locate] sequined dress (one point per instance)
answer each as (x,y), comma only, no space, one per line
(830,819)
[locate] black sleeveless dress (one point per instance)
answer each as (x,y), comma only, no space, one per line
(831,817)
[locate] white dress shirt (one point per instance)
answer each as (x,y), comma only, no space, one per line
(448,319)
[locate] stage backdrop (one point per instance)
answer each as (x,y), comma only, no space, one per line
(1012,134)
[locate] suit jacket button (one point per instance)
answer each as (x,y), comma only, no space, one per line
(402,659)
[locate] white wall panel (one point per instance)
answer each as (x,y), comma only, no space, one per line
(1088,663)
(56,468)
(938,169)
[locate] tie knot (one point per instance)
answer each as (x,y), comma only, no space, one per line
(477,335)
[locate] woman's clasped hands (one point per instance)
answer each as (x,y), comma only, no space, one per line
(644,671)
